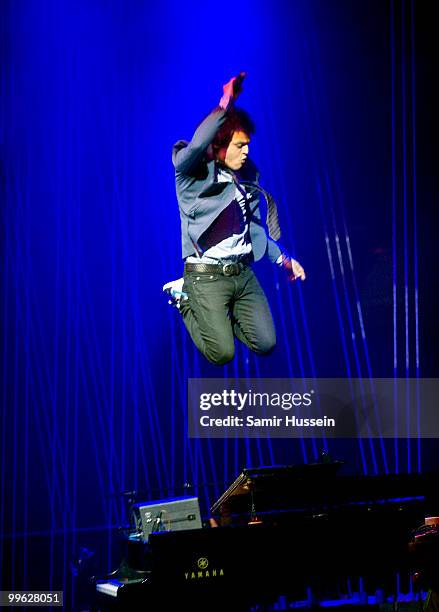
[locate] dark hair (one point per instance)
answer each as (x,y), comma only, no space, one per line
(238,120)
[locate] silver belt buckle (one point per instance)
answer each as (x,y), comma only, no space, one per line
(229,269)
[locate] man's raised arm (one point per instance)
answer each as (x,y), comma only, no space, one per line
(186,158)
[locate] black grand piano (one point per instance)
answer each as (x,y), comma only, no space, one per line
(289,534)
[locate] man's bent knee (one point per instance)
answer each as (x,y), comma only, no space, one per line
(264,345)
(220,355)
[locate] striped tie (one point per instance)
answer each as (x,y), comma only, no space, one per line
(272,220)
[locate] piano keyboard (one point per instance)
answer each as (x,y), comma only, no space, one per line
(109,588)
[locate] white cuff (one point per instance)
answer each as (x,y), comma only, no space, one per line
(224,103)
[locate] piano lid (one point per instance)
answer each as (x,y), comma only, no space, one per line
(278,479)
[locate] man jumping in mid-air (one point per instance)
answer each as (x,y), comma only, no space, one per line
(222,234)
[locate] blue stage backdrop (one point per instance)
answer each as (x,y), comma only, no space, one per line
(94,364)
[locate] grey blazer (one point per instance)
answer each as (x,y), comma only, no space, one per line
(201,198)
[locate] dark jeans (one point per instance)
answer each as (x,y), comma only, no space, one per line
(220,307)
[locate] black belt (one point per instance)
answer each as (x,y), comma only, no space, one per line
(227,269)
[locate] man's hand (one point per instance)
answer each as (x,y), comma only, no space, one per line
(293,269)
(232,89)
